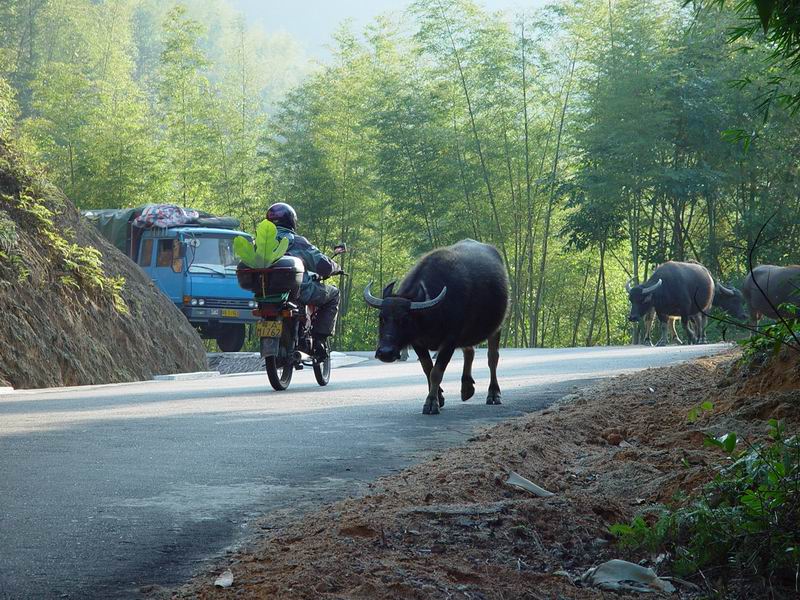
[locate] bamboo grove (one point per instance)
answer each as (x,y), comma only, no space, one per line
(588,140)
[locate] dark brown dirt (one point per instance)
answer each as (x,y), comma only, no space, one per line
(53,334)
(451,528)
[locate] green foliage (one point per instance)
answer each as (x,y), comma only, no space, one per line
(267,250)
(8,108)
(745,520)
(8,234)
(779,22)
(771,338)
(588,141)
(83,264)
(697,411)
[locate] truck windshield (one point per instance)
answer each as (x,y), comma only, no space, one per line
(211,254)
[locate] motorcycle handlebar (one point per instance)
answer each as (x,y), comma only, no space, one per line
(317,277)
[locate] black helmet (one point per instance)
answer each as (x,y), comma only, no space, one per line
(283,215)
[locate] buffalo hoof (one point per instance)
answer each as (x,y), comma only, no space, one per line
(430,408)
(661,343)
(440,396)
(493,398)
(467,389)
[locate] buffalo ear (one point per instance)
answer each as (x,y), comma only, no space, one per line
(387,291)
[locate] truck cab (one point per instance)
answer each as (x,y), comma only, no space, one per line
(191,260)
(196,268)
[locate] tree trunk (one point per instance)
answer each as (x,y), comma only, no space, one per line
(550,203)
(579,316)
(478,148)
(605,294)
(590,335)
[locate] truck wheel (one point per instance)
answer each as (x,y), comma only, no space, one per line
(232,338)
(279,378)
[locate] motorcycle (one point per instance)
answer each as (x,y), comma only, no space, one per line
(285,325)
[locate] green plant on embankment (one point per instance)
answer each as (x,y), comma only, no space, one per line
(24,200)
(745,522)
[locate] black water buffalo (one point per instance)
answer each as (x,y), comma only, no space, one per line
(454,297)
(731,300)
(677,289)
(684,288)
(779,285)
(726,298)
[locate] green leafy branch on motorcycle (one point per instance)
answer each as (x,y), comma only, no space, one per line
(267,248)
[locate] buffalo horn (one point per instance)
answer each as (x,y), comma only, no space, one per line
(370,299)
(652,288)
(725,290)
(429,303)
(628,286)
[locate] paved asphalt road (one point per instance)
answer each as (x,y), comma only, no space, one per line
(107,489)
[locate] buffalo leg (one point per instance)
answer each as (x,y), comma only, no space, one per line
(754,319)
(467,382)
(427,367)
(700,321)
(687,329)
(649,321)
(664,320)
(494,357)
(432,401)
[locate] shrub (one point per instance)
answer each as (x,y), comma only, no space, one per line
(746,521)
(773,337)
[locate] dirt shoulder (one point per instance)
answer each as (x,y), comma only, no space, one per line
(452,528)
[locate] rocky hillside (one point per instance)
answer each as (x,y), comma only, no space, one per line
(73,309)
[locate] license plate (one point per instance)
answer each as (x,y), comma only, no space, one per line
(269,328)
(229,312)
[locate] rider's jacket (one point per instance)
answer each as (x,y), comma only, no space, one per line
(313,260)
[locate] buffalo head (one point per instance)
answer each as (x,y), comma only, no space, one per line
(396,326)
(641,297)
(731,300)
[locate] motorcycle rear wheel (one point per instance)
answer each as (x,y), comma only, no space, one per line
(279,378)
(322,371)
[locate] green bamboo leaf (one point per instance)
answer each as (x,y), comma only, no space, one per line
(765,9)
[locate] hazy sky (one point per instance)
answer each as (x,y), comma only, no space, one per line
(313,21)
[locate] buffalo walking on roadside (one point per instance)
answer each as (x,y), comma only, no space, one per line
(685,290)
(767,287)
(454,297)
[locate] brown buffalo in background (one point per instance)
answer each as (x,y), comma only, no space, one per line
(778,285)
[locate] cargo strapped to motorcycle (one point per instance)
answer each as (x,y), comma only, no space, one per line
(284,276)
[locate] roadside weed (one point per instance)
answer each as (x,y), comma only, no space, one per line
(745,522)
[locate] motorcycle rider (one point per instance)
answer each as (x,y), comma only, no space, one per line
(316,293)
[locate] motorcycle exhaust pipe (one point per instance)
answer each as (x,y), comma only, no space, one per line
(300,356)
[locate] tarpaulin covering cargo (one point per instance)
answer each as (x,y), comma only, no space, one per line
(115,224)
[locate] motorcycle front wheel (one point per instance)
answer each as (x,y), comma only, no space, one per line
(322,371)
(279,378)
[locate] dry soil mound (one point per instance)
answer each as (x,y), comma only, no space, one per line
(58,321)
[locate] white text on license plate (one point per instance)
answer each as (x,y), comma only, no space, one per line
(269,328)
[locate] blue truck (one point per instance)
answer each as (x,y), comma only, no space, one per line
(193,264)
